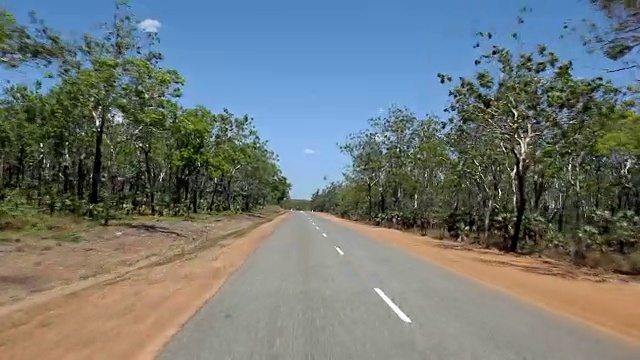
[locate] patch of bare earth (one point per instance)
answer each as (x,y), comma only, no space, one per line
(605,300)
(132,314)
(34,265)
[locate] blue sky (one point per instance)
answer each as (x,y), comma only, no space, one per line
(311,72)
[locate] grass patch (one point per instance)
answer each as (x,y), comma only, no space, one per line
(30,223)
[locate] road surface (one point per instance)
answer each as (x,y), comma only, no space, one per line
(317,290)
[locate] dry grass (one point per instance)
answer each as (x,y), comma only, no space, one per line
(595,262)
(44,252)
(131,316)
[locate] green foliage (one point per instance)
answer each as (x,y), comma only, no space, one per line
(622,135)
(297,204)
(530,158)
(109,137)
(621,39)
(20,43)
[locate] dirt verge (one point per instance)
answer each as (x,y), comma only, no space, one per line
(607,301)
(74,255)
(132,315)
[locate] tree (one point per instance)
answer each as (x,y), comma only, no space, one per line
(535,96)
(110,137)
(621,39)
(19,44)
(530,158)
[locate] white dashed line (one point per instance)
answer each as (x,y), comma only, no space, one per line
(338,250)
(317,228)
(393,306)
(323,234)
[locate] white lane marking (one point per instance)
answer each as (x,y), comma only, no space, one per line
(323,234)
(393,306)
(338,250)
(317,228)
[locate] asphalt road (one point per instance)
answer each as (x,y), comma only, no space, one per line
(317,290)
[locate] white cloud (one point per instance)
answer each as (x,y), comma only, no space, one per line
(309,151)
(150,25)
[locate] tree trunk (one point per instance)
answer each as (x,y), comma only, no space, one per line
(214,192)
(96,174)
(229,195)
(81,178)
(150,181)
(65,178)
(246,203)
(21,166)
(187,186)
(1,173)
(487,218)
(194,200)
(383,205)
(521,203)
(370,199)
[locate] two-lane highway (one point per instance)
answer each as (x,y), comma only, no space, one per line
(317,290)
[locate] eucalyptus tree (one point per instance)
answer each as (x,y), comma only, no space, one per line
(532,104)
(620,39)
(109,135)
(27,43)
(368,165)
(530,155)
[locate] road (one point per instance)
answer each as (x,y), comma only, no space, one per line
(318,290)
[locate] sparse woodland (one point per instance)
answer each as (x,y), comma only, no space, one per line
(530,157)
(102,133)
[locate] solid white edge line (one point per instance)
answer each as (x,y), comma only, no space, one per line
(338,250)
(323,234)
(393,306)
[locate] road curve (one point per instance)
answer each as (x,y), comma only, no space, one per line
(318,290)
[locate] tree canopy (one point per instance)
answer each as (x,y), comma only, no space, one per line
(109,135)
(529,158)
(621,39)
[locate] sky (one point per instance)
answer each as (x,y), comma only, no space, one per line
(310,72)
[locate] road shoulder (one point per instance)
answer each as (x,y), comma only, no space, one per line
(130,316)
(609,305)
